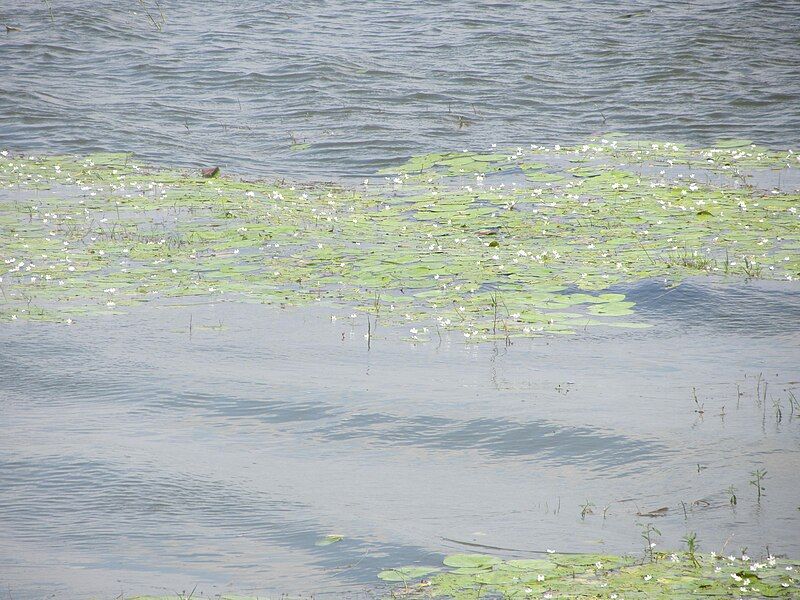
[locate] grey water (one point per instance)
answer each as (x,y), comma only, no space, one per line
(139,455)
(236,83)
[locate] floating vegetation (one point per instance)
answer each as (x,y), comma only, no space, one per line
(494,245)
(329,539)
(659,575)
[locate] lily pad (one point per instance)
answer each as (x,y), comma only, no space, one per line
(471,560)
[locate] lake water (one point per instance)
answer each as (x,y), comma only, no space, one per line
(139,458)
(229,83)
(139,455)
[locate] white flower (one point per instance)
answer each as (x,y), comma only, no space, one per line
(540,578)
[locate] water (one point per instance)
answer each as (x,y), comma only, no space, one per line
(229,82)
(135,457)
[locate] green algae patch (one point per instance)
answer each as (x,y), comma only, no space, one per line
(493,245)
(587,576)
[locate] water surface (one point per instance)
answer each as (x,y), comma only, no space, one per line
(139,457)
(237,83)
(135,457)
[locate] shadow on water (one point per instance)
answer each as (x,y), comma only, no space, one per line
(539,440)
(755,308)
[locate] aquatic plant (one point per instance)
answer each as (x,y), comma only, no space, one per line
(648,533)
(495,245)
(758,482)
(692,545)
(329,539)
(667,576)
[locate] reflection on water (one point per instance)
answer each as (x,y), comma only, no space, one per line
(236,83)
(135,457)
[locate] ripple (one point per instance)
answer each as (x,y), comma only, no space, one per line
(365,87)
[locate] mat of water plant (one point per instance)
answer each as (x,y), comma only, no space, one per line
(678,575)
(496,244)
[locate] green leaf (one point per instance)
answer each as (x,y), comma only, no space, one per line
(329,539)
(471,560)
